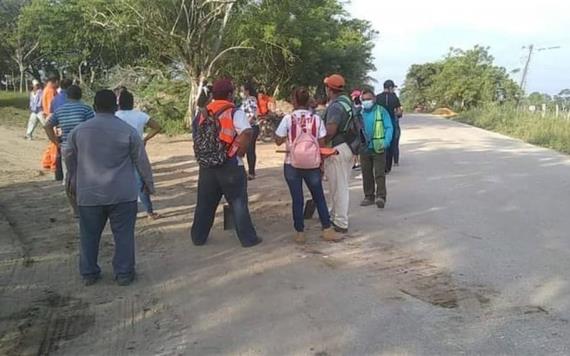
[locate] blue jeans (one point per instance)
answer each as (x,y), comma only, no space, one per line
(230,181)
(92,221)
(313,180)
(143,196)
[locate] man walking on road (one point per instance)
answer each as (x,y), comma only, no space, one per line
(36,114)
(228,178)
(389,100)
(338,168)
(378,129)
(102,155)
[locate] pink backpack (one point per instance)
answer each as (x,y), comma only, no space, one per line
(304,145)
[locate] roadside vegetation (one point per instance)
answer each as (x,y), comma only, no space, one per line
(13,109)
(546,131)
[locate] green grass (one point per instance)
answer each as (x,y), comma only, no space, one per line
(548,131)
(13,109)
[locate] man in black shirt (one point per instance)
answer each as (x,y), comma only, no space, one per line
(389,100)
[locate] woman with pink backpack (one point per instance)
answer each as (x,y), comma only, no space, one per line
(304,133)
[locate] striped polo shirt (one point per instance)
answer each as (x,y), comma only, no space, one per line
(69,115)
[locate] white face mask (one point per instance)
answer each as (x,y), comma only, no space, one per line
(367,104)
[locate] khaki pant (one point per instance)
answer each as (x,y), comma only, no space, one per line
(373,167)
(337,170)
(33,121)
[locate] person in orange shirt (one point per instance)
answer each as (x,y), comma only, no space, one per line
(50,154)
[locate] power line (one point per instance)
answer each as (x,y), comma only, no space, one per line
(531,50)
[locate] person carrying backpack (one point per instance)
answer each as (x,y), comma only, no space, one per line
(222,135)
(342,133)
(378,132)
(304,133)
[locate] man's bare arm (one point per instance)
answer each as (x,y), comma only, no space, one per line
(50,132)
(155,128)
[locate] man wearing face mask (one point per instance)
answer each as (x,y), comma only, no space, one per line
(379,131)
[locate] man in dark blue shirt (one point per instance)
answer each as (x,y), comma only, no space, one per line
(389,100)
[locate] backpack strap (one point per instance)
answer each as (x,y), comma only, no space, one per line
(345,102)
(314,126)
(293,131)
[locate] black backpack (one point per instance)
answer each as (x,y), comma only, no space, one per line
(353,130)
(209,150)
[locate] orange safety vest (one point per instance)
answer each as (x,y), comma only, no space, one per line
(227,129)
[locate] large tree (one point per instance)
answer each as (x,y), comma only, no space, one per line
(463,79)
(186,34)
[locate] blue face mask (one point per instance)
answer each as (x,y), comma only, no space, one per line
(367,104)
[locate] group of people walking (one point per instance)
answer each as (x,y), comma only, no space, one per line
(107,168)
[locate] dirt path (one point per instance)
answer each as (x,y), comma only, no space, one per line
(429,275)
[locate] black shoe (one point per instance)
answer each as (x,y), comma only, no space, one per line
(367,202)
(91,280)
(125,280)
(257,242)
(339,229)
(380,203)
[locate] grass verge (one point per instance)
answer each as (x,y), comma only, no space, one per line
(13,109)
(548,131)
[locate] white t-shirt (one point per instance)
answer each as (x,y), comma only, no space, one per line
(135,118)
(285,127)
(241,123)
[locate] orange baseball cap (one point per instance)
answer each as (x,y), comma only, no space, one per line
(335,81)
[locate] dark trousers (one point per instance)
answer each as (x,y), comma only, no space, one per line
(313,180)
(373,167)
(92,221)
(58,175)
(393,153)
(228,180)
(251,154)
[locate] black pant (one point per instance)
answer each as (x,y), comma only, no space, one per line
(251,155)
(228,180)
(393,153)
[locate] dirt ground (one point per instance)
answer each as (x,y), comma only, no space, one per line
(417,278)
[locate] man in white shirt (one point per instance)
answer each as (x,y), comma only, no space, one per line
(139,120)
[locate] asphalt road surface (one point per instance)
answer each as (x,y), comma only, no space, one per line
(470,256)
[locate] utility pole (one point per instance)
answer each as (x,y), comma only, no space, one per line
(528,59)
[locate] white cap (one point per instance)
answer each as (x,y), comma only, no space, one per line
(35,82)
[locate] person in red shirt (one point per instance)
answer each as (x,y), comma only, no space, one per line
(49,158)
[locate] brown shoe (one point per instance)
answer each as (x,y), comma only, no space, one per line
(300,238)
(331,235)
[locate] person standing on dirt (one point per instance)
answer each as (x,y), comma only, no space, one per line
(249,106)
(36,114)
(65,118)
(338,116)
(49,158)
(102,155)
(139,120)
(56,103)
(389,100)
(378,130)
(288,131)
(228,179)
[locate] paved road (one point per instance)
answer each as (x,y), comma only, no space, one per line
(469,257)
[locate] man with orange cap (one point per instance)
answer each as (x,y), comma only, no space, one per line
(339,118)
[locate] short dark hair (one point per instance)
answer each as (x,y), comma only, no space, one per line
(367,91)
(126,100)
(250,87)
(52,78)
(301,96)
(65,83)
(105,101)
(74,92)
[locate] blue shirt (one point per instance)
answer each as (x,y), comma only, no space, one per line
(101,156)
(69,115)
(369,117)
(36,101)
(58,100)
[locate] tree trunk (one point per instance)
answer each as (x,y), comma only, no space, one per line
(22,77)
(195,86)
(79,73)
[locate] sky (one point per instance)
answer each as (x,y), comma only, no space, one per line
(419,31)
